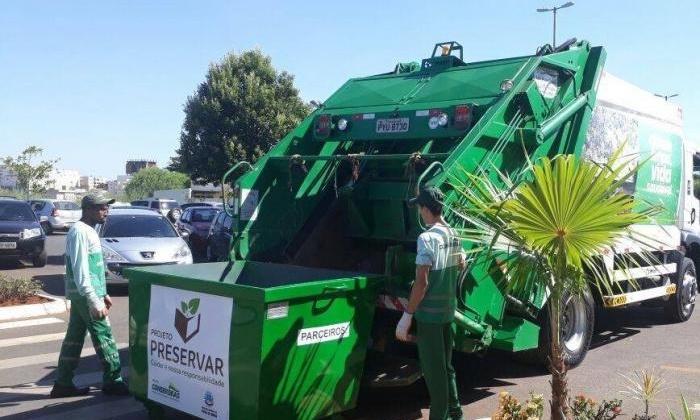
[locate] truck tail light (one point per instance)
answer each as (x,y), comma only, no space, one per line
(322,128)
(463,117)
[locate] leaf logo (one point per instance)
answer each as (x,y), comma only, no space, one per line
(190,308)
(187,320)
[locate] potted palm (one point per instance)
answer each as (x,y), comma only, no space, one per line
(549,226)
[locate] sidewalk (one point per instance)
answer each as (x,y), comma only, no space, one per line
(56,305)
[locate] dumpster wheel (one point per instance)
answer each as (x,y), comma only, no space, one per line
(155,410)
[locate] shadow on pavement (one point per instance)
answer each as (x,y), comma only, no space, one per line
(53,284)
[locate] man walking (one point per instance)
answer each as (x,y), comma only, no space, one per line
(433,301)
(87,290)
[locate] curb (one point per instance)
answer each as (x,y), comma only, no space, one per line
(55,306)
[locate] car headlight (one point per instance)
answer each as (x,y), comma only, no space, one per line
(111,255)
(29,233)
(183,252)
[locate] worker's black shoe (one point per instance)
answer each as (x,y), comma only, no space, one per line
(116,388)
(64,391)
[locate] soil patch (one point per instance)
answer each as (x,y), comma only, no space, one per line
(24,301)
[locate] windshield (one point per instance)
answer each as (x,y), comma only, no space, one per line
(129,226)
(204,215)
(19,211)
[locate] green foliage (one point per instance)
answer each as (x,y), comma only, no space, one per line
(4,192)
(583,408)
(238,113)
(549,227)
(17,288)
(686,411)
(509,408)
(31,178)
(147,180)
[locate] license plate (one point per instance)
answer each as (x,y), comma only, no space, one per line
(8,245)
(392,125)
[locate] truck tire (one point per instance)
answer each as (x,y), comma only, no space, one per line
(577,324)
(680,306)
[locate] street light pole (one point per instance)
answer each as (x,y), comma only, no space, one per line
(554,13)
(666,96)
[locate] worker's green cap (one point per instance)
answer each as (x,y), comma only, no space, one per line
(91,200)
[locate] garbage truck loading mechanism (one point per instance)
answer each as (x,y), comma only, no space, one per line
(333,192)
(331,196)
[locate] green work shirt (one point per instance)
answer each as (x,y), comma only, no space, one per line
(85,270)
(439,248)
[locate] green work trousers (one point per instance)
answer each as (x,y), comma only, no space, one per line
(102,340)
(435,341)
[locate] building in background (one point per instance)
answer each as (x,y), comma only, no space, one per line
(63,180)
(8,179)
(90,183)
(135,165)
(116,187)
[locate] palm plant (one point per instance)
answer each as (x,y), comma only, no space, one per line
(550,226)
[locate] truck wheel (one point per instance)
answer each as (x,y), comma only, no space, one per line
(577,323)
(680,306)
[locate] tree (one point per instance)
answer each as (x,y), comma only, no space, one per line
(238,113)
(147,180)
(30,178)
(552,228)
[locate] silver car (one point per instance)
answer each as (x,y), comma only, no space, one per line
(56,214)
(137,238)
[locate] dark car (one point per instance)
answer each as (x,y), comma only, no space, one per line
(219,240)
(196,221)
(21,235)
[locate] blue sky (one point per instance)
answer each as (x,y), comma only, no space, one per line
(96,83)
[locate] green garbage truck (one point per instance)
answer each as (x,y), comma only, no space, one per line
(323,240)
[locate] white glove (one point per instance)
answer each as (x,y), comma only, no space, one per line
(96,307)
(403,326)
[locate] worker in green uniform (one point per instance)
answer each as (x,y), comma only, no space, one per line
(432,302)
(87,290)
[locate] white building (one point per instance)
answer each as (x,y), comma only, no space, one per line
(117,187)
(90,183)
(7,178)
(63,180)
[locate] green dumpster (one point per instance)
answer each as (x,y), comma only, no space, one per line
(248,340)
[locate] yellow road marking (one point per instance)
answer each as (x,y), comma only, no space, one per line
(681,369)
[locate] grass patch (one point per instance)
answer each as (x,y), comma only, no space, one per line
(12,288)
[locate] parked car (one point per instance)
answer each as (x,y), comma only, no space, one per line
(137,238)
(219,239)
(167,207)
(216,204)
(56,214)
(21,235)
(196,221)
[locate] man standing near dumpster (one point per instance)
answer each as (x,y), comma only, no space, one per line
(433,301)
(87,290)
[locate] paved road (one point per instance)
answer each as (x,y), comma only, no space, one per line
(625,342)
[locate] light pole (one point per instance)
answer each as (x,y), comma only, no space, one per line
(666,96)
(554,12)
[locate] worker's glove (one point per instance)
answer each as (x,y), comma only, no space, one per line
(96,307)
(403,326)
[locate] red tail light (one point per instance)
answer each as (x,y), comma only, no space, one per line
(463,117)
(323,126)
